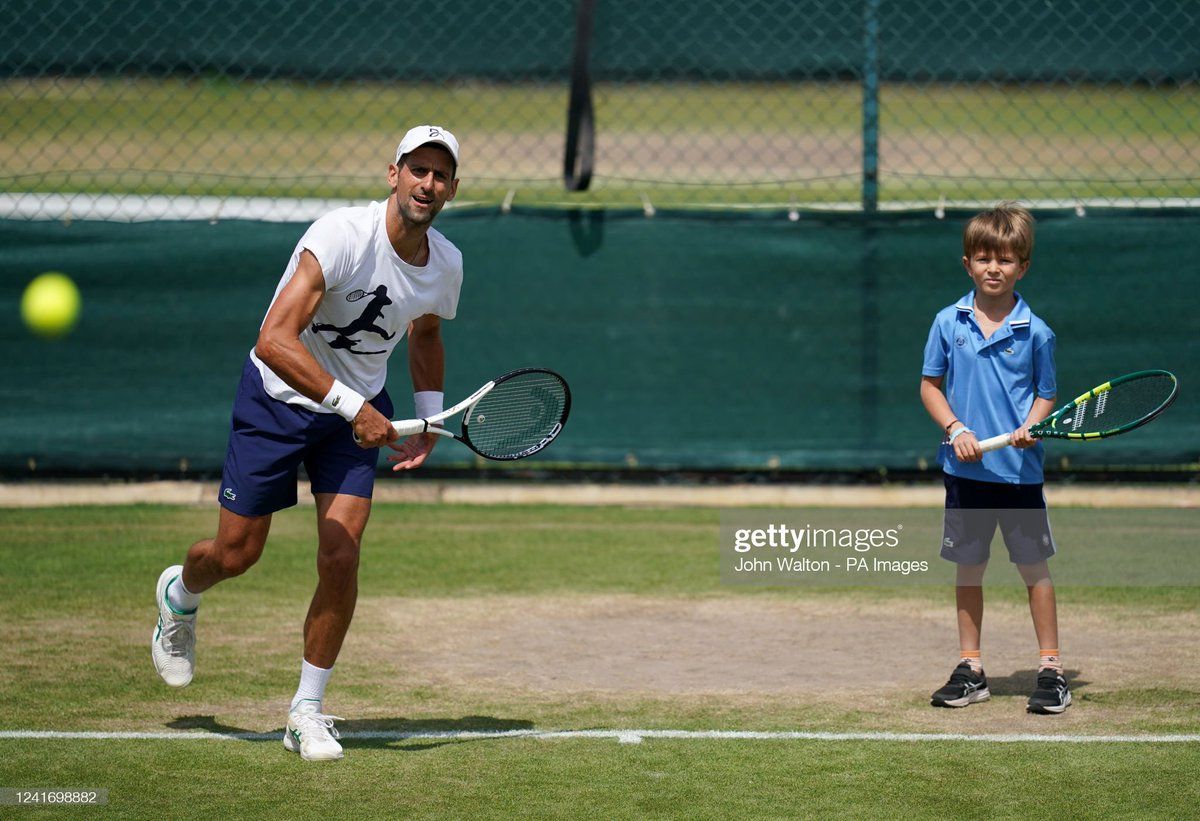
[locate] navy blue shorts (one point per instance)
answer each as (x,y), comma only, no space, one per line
(269,440)
(974,509)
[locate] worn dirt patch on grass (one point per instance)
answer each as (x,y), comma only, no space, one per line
(827,664)
(749,662)
(654,646)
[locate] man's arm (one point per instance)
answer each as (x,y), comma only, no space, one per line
(279,347)
(427,364)
(426,354)
(966,446)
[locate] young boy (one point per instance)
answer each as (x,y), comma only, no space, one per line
(989,367)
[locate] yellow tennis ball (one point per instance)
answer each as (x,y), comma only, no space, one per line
(50,305)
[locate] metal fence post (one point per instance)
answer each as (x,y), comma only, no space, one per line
(870,107)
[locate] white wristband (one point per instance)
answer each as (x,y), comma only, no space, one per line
(958,433)
(343,401)
(428,403)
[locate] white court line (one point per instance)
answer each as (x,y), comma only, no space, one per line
(623,736)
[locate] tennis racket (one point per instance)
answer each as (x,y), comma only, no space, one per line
(511,417)
(1115,407)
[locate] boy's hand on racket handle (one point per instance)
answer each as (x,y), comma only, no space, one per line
(1022,439)
(412,452)
(966,446)
(372,429)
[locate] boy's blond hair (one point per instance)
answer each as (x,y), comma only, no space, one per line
(1007,227)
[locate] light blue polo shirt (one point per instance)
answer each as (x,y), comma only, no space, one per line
(991,384)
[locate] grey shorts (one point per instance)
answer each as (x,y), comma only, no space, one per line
(973,511)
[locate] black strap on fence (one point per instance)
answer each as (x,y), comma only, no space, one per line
(581,126)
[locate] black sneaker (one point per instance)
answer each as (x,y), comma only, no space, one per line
(964,687)
(1051,696)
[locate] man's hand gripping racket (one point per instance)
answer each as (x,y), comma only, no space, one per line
(511,417)
(1117,406)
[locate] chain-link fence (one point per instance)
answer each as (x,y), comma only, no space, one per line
(145,108)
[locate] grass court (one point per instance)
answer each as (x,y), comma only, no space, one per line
(546,618)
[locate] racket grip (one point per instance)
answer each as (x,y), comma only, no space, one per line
(408,427)
(404,427)
(996,442)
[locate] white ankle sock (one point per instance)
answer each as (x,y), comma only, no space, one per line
(180,598)
(312,684)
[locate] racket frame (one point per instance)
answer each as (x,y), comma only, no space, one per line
(1046,428)
(411,427)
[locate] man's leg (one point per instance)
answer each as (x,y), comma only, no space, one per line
(237,546)
(341,520)
(342,476)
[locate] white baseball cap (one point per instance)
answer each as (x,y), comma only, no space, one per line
(425,134)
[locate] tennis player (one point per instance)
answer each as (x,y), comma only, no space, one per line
(989,366)
(358,280)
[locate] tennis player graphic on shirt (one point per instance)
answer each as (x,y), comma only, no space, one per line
(369,276)
(364,323)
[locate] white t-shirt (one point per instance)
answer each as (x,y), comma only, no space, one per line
(370,297)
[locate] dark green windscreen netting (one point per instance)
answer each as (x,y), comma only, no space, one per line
(751,342)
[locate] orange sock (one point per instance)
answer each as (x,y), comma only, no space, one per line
(973,658)
(1050,660)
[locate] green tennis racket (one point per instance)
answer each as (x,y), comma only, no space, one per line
(1117,406)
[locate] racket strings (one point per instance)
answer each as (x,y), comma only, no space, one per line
(1121,405)
(517,414)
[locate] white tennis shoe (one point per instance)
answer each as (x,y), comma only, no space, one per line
(173,643)
(311,733)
